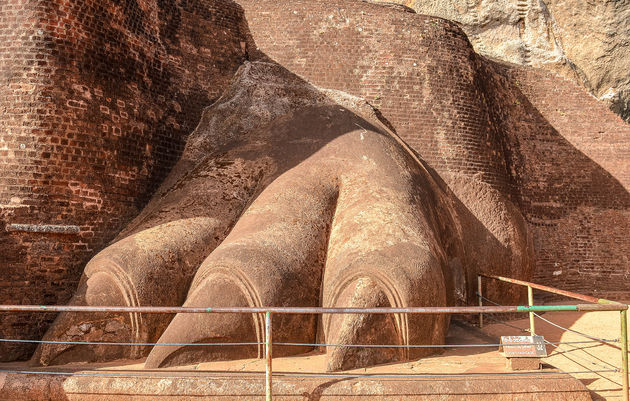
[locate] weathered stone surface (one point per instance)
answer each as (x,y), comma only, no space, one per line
(588,42)
(256,199)
(568,169)
(44,228)
(595,37)
(528,387)
(523,363)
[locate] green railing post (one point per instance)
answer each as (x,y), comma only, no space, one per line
(480,296)
(268,356)
(530,301)
(624,354)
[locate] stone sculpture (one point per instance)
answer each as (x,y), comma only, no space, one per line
(350,155)
(321,205)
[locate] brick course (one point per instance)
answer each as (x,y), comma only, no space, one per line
(419,71)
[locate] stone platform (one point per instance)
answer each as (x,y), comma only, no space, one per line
(530,386)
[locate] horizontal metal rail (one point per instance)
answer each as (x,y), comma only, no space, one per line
(551,290)
(405,376)
(315,310)
(595,302)
(597,305)
(16,340)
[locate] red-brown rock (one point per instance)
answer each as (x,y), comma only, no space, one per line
(288,193)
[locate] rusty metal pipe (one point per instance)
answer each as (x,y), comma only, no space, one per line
(316,310)
(601,307)
(480,296)
(551,290)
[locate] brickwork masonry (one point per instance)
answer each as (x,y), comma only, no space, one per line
(96,99)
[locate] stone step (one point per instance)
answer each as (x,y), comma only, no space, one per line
(524,387)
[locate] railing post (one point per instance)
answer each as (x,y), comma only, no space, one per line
(530,301)
(624,354)
(268,356)
(480,296)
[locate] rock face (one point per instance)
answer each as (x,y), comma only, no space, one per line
(588,42)
(596,39)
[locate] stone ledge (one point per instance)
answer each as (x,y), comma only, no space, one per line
(526,387)
(44,228)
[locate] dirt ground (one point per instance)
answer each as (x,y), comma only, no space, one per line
(452,360)
(592,359)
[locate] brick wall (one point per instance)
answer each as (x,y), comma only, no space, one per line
(423,76)
(96,99)
(419,71)
(573,171)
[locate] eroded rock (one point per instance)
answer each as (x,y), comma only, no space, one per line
(588,42)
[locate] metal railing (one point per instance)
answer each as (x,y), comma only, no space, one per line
(596,305)
(622,308)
